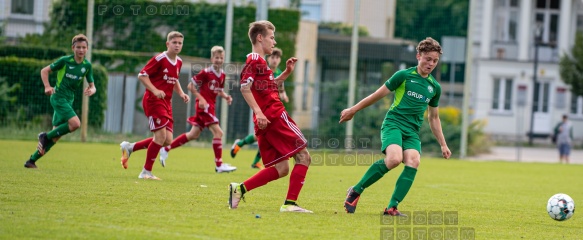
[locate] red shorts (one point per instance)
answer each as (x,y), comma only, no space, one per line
(203,119)
(159,115)
(281,141)
(157,123)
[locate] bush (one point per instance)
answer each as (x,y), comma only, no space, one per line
(30,98)
(23,51)
(451,119)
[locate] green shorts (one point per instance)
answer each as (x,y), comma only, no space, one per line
(405,139)
(63,110)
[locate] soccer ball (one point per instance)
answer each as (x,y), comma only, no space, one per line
(561,207)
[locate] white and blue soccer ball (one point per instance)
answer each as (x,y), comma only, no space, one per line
(561,207)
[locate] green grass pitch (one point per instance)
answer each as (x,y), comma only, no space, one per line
(81,191)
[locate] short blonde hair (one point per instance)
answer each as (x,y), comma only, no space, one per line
(173,34)
(79,38)
(259,27)
(217,50)
(429,45)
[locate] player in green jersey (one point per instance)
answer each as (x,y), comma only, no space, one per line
(273,61)
(415,89)
(70,73)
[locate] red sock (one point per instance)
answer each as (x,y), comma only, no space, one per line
(218,148)
(261,178)
(153,150)
(179,141)
(296,181)
(142,144)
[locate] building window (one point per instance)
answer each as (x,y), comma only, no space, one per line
(547,14)
(506,20)
(577,106)
(311,11)
(23,7)
(502,95)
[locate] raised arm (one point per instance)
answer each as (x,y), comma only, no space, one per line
(348,114)
(289,68)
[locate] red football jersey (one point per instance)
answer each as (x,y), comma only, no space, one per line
(163,74)
(210,83)
(263,86)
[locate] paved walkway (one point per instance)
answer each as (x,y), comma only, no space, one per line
(529,154)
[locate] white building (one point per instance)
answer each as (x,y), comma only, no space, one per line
(503,47)
(378,16)
(21,17)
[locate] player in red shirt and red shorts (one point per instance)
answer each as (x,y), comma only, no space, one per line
(278,136)
(206,86)
(160,77)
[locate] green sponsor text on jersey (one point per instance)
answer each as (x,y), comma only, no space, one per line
(412,95)
(70,75)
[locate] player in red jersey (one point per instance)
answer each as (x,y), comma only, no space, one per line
(278,136)
(206,86)
(160,77)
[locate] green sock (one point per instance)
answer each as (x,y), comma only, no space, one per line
(402,186)
(35,156)
(289,202)
(247,140)
(257,158)
(375,172)
(61,130)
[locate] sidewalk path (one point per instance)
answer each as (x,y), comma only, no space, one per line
(528,154)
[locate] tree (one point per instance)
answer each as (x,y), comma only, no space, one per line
(571,66)
(419,19)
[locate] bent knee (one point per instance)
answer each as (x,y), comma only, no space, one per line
(393,162)
(74,125)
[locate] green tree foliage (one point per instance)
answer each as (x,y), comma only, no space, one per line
(128,32)
(451,119)
(571,66)
(140,26)
(7,98)
(426,18)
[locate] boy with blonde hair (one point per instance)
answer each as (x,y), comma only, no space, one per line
(278,136)
(160,76)
(206,86)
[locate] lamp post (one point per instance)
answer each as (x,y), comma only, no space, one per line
(537,39)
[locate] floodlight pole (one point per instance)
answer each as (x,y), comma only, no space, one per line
(352,71)
(228,48)
(85,99)
(467,84)
(537,35)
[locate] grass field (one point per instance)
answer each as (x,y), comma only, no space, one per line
(81,191)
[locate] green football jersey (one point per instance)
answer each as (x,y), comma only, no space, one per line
(70,75)
(277,72)
(412,95)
